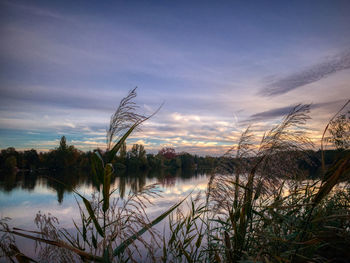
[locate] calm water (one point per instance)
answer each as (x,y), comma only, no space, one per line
(22,195)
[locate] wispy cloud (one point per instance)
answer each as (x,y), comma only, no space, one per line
(308,76)
(274,113)
(269,114)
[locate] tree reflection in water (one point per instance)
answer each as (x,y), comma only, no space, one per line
(64,181)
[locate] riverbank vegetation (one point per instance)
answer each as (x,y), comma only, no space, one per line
(67,157)
(258,207)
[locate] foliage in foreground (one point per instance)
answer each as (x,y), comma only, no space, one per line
(255,210)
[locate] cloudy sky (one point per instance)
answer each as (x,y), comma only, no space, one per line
(216,65)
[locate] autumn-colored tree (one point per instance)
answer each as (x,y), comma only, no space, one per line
(167,153)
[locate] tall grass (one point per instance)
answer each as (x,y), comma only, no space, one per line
(258,209)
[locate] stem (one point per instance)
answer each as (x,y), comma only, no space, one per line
(325,130)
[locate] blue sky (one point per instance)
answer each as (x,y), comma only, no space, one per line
(217,66)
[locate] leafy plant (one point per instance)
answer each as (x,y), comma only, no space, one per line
(187,234)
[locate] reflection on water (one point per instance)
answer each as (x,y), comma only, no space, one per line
(59,182)
(22,195)
(63,182)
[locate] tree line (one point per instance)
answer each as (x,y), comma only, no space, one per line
(68,157)
(136,159)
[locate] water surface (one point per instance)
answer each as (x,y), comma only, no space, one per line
(22,195)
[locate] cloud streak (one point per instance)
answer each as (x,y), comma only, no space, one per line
(308,76)
(269,114)
(283,111)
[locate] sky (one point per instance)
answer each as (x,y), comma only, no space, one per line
(217,66)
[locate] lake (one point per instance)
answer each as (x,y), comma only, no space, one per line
(22,195)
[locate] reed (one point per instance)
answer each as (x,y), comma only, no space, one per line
(108,226)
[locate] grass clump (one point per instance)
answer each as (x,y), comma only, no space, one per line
(259,209)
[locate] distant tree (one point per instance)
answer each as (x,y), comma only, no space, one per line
(64,156)
(137,157)
(10,151)
(187,160)
(63,144)
(339,130)
(5,159)
(154,161)
(138,151)
(168,153)
(31,159)
(122,151)
(209,161)
(11,162)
